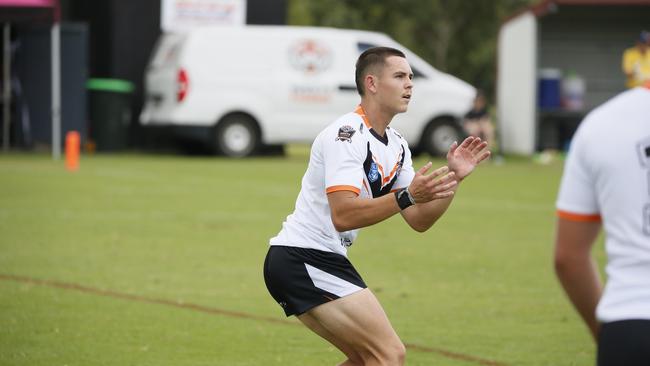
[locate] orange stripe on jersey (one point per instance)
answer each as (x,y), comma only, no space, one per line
(394,170)
(578,217)
(362,113)
(343,188)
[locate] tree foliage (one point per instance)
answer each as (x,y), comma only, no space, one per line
(455,36)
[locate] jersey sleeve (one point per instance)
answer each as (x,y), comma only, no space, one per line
(577,200)
(343,157)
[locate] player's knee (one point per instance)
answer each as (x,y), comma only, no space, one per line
(399,353)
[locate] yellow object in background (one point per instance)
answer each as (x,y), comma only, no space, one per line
(636,65)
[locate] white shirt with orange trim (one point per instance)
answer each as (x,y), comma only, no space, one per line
(347,155)
(607,175)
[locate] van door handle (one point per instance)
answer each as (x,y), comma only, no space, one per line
(347,88)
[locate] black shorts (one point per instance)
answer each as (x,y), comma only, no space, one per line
(300,279)
(625,342)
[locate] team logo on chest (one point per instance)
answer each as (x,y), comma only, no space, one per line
(373,173)
(345,133)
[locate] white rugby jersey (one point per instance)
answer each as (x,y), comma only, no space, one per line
(607,175)
(347,155)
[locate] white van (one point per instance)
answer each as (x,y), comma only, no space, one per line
(239,88)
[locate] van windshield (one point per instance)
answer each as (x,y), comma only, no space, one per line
(362,46)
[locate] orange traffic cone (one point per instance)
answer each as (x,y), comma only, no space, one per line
(72,143)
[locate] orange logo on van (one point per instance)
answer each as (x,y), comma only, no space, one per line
(310,57)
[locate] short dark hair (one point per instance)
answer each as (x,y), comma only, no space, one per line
(370,58)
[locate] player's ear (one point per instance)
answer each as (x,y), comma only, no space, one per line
(370,82)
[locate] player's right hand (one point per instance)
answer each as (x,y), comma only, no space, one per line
(441,183)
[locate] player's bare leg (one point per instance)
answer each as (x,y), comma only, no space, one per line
(472,128)
(358,322)
(354,359)
(488,132)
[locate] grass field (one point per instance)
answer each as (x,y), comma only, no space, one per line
(157,259)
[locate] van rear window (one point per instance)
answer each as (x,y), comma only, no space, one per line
(167,50)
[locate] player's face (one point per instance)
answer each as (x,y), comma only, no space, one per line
(395,85)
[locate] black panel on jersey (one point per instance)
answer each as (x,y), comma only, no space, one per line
(375,186)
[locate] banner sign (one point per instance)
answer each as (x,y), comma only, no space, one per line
(184,15)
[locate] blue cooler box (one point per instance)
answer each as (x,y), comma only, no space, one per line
(549,88)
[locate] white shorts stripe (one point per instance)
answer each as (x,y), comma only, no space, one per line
(330,283)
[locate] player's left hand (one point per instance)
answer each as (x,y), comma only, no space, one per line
(463,158)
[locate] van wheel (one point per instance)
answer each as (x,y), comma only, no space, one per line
(237,136)
(439,135)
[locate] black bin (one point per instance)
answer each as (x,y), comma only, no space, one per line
(110,113)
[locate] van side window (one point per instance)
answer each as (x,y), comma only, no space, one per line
(362,46)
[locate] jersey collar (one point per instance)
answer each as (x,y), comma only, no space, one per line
(362,114)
